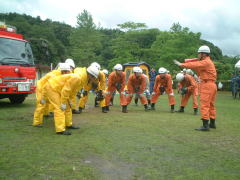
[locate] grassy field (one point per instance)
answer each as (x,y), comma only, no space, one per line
(142,145)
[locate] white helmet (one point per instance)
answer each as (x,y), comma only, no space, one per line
(64,67)
(189,71)
(179,77)
(162,70)
(204,49)
(93,70)
(96,65)
(105,71)
(70,62)
(118,67)
(137,70)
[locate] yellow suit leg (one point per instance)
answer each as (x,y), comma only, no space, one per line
(59,115)
(82,102)
(68,116)
(102,103)
(38,113)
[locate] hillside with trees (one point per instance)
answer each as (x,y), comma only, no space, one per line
(53,42)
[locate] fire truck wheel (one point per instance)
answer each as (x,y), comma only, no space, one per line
(17,99)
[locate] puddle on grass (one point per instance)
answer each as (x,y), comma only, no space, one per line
(111,170)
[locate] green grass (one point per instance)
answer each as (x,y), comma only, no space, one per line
(137,145)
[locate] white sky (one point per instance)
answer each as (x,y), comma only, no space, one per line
(217,20)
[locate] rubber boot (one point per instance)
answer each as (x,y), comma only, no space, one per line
(172,109)
(80,110)
(64,133)
(107,108)
(72,127)
(146,107)
(181,110)
(104,110)
(195,111)
(124,109)
(96,102)
(74,111)
(152,106)
(205,126)
(212,124)
(149,102)
(136,101)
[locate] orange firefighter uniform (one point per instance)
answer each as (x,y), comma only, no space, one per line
(163,81)
(191,85)
(208,88)
(136,84)
(116,82)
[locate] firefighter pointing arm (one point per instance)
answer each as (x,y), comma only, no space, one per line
(207,73)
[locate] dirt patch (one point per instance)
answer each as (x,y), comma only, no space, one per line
(111,170)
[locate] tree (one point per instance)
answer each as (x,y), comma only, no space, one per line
(85,40)
(132,26)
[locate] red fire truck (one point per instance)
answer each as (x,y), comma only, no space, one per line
(17,71)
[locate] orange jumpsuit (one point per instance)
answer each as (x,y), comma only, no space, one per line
(114,81)
(191,85)
(208,89)
(136,84)
(167,83)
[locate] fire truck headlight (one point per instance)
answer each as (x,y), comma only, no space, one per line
(16,70)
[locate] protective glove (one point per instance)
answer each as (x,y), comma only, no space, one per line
(153,93)
(42,101)
(63,107)
(171,94)
(177,62)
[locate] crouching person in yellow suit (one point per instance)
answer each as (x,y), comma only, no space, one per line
(59,90)
(42,106)
(99,86)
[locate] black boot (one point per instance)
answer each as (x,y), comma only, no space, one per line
(212,124)
(146,107)
(107,108)
(205,126)
(136,101)
(195,111)
(172,109)
(64,133)
(96,102)
(149,102)
(104,110)
(181,109)
(152,106)
(124,109)
(72,127)
(74,111)
(80,110)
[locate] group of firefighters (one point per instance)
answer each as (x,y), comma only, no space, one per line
(57,91)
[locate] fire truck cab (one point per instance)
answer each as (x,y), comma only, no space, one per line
(17,69)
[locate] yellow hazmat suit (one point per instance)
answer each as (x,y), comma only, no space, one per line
(42,108)
(59,90)
(101,85)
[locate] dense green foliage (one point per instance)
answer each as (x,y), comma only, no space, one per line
(54,41)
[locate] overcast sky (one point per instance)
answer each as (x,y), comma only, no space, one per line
(217,20)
